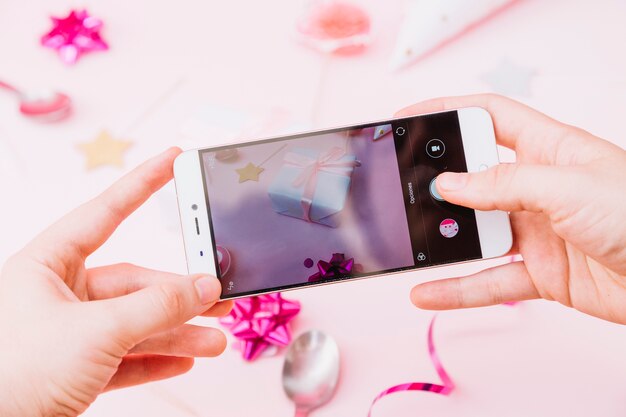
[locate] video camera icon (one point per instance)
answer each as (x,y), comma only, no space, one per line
(435,148)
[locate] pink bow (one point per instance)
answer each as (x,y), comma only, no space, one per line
(261,321)
(311,167)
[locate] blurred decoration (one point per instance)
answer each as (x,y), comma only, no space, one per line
(382,130)
(74,35)
(226,154)
(313,185)
(335,27)
(260,322)
(430,25)
(104,150)
(337,267)
(251,172)
(510,79)
(44,106)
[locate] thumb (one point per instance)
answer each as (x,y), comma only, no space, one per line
(161,307)
(507,187)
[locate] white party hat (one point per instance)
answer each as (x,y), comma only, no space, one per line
(430,24)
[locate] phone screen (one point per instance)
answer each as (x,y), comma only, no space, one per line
(337,204)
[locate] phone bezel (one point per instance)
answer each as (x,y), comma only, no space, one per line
(479,145)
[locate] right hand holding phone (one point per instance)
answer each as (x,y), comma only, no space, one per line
(567,197)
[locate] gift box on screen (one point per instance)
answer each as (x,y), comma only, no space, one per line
(313,185)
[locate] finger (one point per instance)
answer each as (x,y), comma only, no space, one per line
(157,308)
(510,282)
(516,125)
(219,309)
(507,187)
(515,221)
(186,340)
(121,279)
(90,225)
(112,281)
(139,369)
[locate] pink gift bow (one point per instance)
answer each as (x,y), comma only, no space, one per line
(74,35)
(261,321)
(311,167)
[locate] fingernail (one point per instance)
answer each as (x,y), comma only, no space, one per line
(452,181)
(208,289)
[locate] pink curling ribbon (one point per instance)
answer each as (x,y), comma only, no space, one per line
(311,167)
(448,385)
(262,321)
(444,389)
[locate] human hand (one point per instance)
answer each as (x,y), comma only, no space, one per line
(70,333)
(567,196)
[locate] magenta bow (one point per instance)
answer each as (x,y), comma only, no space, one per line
(74,35)
(261,321)
(338,266)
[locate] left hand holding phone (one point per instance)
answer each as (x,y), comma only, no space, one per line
(71,333)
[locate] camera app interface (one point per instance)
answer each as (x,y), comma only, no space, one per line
(332,205)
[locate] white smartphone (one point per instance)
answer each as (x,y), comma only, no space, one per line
(338,204)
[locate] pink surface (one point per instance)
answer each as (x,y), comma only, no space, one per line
(538,359)
(269,248)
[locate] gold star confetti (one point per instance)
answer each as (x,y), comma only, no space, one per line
(249,173)
(104,150)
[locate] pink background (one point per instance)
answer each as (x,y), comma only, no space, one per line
(537,359)
(269,248)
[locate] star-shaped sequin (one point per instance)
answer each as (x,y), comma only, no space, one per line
(104,150)
(510,79)
(75,35)
(249,173)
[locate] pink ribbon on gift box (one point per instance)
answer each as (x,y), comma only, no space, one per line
(311,167)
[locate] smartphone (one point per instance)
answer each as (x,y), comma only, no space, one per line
(338,204)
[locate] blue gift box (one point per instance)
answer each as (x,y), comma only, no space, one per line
(313,185)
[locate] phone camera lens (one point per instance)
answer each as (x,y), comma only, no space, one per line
(194,207)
